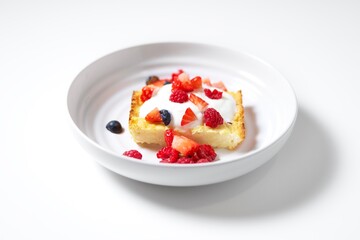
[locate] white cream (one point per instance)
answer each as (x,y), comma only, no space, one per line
(226,106)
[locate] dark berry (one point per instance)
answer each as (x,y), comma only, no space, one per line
(165,116)
(152,79)
(133,153)
(212,118)
(179,96)
(167,82)
(114,126)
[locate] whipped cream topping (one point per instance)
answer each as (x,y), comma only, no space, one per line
(226,106)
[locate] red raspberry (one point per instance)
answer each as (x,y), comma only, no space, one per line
(133,154)
(146,93)
(215,94)
(205,151)
(164,153)
(168,155)
(185,160)
(179,96)
(174,156)
(169,136)
(212,118)
(203,160)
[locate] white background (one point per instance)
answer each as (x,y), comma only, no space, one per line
(50,188)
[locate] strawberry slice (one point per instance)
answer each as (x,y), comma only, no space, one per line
(183,82)
(220,85)
(154,116)
(199,102)
(184,145)
(188,117)
(206,81)
(175,76)
(196,82)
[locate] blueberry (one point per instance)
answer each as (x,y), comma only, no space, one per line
(114,126)
(167,82)
(165,116)
(152,79)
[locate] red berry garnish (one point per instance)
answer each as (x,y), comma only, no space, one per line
(196,82)
(169,136)
(146,92)
(202,160)
(133,153)
(215,94)
(174,156)
(154,116)
(220,85)
(185,160)
(212,118)
(199,102)
(205,151)
(206,81)
(168,155)
(164,153)
(175,76)
(188,117)
(184,145)
(179,96)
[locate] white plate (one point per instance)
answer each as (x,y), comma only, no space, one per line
(102,92)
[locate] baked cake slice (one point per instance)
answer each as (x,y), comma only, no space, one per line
(204,112)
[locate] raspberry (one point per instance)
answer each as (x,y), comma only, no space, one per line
(179,96)
(212,118)
(146,93)
(168,155)
(185,160)
(133,154)
(203,160)
(205,151)
(164,153)
(174,156)
(215,94)
(169,136)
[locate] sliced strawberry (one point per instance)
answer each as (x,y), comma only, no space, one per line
(199,102)
(175,76)
(220,85)
(196,82)
(184,145)
(188,117)
(206,81)
(183,83)
(154,116)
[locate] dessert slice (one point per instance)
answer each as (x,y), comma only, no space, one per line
(205,114)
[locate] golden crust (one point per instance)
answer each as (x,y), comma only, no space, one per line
(228,135)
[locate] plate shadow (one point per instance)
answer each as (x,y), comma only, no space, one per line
(298,173)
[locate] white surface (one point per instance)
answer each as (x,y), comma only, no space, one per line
(52,189)
(103,90)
